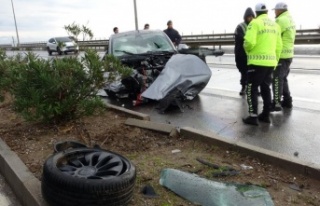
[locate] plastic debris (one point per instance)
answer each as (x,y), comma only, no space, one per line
(149,192)
(175,151)
(207,193)
(220,171)
(295,187)
(245,167)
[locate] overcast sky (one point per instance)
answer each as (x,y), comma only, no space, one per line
(38,20)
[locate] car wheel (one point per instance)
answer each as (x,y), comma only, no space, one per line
(49,51)
(87,176)
(59,51)
(111,94)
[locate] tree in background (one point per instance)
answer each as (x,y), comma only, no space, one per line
(86,32)
(75,30)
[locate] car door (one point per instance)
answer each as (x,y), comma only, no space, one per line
(52,44)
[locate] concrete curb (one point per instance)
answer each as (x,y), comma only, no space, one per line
(129,112)
(23,183)
(159,127)
(283,161)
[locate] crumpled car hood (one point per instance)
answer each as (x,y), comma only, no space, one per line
(186,72)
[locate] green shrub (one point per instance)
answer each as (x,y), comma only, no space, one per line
(57,90)
(6,64)
(3,54)
(115,68)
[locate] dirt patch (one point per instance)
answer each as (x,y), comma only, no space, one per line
(151,152)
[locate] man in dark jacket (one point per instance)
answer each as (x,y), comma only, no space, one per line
(173,34)
(240,54)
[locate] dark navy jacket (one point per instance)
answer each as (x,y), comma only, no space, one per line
(173,35)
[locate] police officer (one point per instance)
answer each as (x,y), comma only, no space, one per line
(262,43)
(280,75)
(239,53)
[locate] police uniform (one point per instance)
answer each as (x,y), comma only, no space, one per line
(280,82)
(262,43)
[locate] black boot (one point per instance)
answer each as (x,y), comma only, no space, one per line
(243,90)
(264,117)
(287,104)
(276,107)
(251,120)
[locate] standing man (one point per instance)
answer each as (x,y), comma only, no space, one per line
(115,30)
(240,54)
(262,43)
(280,75)
(146,26)
(173,34)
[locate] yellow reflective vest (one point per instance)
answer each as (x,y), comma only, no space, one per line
(262,42)
(288,34)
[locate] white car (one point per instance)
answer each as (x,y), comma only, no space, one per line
(62,45)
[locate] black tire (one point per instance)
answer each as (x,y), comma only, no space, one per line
(49,51)
(87,176)
(59,51)
(64,145)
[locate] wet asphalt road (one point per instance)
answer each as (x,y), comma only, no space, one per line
(7,198)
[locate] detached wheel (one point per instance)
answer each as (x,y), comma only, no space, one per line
(87,176)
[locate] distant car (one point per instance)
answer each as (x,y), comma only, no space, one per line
(157,64)
(62,45)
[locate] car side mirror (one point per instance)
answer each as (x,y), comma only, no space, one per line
(182,47)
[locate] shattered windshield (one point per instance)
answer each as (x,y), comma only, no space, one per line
(139,43)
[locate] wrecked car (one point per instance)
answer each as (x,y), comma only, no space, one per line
(160,71)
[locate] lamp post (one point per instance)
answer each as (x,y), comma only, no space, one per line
(135,13)
(15,22)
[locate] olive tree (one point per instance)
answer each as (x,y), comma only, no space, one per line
(75,30)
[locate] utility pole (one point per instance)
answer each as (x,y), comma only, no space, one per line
(135,14)
(15,22)
(14,44)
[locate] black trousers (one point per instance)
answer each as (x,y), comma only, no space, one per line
(243,69)
(280,84)
(259,76)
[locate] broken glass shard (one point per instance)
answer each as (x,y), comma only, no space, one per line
(205,192)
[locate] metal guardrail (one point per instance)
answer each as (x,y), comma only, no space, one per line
(306,36)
